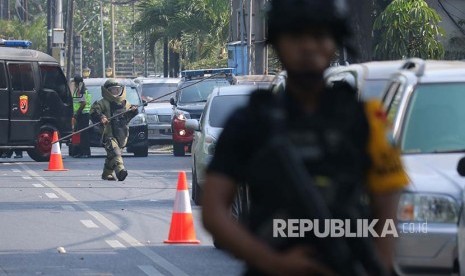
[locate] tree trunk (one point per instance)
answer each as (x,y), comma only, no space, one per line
(362,29)
(165,57)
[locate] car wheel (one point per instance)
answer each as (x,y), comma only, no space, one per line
(141,152)
(178,149)
(43,147)
(196,190)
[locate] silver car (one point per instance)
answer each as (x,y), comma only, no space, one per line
(369,78)
(426,106)
(159,110)
(220,105)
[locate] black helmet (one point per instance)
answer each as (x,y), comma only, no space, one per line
(294,16)
(78,79)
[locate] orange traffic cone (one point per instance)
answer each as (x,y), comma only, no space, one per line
(56,162)
(182,223)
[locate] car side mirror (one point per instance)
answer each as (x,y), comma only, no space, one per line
(145,103)
(461,167)
(192,124)
(172,101)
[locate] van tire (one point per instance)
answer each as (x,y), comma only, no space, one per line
(141,152)
(178,149)
(42,149)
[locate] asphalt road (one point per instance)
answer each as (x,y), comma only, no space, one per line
(73,223)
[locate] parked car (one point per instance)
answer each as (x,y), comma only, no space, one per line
(137,141)
(189,102)
(425,105)
(220,105)
(369,79)
(160,111)
(35,101)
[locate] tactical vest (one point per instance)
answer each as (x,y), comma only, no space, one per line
(77,99)
(330,143)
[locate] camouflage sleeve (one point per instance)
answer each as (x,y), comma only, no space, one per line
(130,114)
(386,172)
(96,111)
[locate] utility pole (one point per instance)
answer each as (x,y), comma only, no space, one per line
(70,37)
(49,25)
(113,54)
(249,40)
(103,39)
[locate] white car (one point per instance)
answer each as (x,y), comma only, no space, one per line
(156,91)
(220,105)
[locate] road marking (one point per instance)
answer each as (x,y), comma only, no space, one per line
(89,223)
(37,185)
(15,170)
(115,244)
(51,195)
(27,177)
(133,242)
(68,208)
(149,270)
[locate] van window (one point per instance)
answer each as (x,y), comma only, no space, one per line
(3,83)
(21,76)
(53,78)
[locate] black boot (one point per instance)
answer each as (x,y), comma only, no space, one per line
(121,175)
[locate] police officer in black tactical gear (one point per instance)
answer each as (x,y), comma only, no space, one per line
(340,142)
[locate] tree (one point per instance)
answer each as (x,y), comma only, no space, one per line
(34,31)
(191,30)
(408,28)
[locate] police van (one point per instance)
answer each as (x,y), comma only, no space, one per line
(35,100)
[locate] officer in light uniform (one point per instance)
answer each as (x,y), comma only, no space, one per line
(82,101)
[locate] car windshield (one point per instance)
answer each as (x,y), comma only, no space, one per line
(200,91)
(223,106)
(152,91)
(373,89)
(131,94)
(434,121)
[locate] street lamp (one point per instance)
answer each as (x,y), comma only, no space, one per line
(86,72)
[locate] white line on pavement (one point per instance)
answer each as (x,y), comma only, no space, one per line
(89,223)
(51,195)
(15,170)
(133,242)
(150,270)
(115,244)
(27,177)
(37,185)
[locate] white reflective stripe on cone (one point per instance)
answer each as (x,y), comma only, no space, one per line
(56,148)
(182,202)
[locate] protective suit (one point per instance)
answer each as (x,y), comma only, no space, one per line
(115,132)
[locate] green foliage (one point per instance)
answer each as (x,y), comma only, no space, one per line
(196,29)
(408,28)
(35,31)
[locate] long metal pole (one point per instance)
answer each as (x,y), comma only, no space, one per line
(124,112)
(49,26)
(113,54)
(103,39)
(70,37)
(250,36)
(59,15)
(242,19)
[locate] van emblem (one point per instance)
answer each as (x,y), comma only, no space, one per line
(23,104)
